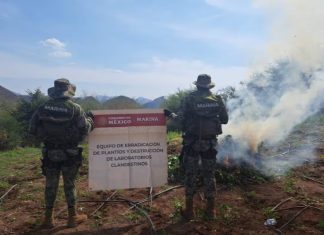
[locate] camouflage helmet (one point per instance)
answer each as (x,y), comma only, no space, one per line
(204,81)
(62,89)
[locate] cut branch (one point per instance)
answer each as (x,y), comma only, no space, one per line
(297,207)
(281,203)
(6,193)
(105,201)
(102,204)
(156,195)
(289,208)
(134,204)
(294,217)
(311,179)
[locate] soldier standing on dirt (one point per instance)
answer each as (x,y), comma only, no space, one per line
(61,124)
(202,115)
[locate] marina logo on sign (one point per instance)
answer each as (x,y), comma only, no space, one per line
(127,120)
(147,119)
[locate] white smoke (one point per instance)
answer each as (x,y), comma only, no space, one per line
(296,30)
(274,101)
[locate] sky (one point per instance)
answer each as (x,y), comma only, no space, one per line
(137,48)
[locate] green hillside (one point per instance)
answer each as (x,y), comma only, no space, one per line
(121,102)
(7,95)
(88,103)
(7,98)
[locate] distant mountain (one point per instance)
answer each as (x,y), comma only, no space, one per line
(103,98)
(93,103)
(155,103)
(86,99)
(88,103)
(142,100)
(7,96)
(121,102)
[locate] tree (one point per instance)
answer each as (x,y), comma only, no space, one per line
(25,109)
(226,93)
(10,130)
(173,103)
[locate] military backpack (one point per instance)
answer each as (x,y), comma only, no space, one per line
(57,123)
(203,120)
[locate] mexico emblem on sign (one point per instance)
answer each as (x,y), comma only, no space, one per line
(128,149)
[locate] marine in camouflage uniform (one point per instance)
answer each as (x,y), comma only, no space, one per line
(202,113)
(61,124)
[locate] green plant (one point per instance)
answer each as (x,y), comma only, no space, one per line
(251,196)
(225,177)
(37,222)
(173,163)
(163,232)
(133,216)
(227,214)
(175,173)
(244,174)
(270,214)
(200,213)
(177,204)
(321,224)
(97,220)
(289,184)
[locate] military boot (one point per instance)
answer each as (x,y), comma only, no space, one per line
(188,212)
(48,222)
(74,219)
(210,209)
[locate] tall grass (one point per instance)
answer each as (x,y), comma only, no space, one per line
(17,165)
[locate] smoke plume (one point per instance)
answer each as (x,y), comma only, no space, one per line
(291,87)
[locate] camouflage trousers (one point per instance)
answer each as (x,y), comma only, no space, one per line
(192,157)
(69,174)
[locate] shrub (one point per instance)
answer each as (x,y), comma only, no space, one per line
(25,109)
(10,131)
(173,103)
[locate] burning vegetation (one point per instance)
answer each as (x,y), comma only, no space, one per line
(266,110)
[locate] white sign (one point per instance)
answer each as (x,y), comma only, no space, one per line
(128,149)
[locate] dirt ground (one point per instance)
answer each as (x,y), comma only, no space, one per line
(239,209)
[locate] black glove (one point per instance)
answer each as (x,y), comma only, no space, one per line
(169,114)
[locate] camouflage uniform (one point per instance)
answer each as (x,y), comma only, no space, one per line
(202,115)
(208,163)
(61,124)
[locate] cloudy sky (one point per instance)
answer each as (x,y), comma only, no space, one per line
(136,48)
